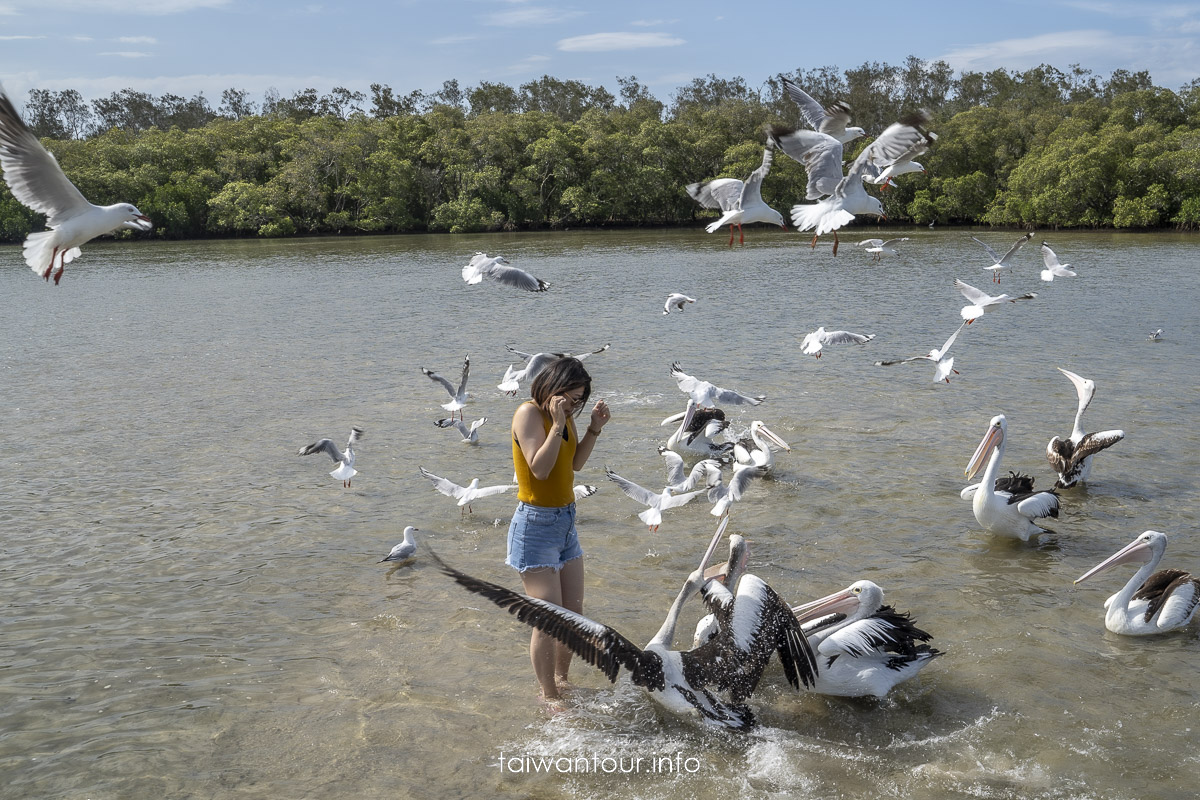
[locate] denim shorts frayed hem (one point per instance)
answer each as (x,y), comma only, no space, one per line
(540,537)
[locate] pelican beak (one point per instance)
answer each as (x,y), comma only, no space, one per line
(1136,550)
(770,436)
(842,602)
(991,440)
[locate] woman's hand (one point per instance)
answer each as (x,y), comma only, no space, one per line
(558,411)
(600,415)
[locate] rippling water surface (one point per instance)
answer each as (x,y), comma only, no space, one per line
(191,609)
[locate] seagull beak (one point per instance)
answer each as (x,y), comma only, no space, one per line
(141,223)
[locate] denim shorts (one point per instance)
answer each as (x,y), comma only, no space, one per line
(542,537)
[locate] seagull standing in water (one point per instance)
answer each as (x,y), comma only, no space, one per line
(35,180)
(497,269)
(1000,262)
(458,397)
(345,460)
(740,202)
(405,550)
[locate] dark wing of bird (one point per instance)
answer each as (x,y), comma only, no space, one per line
(323,446)
(1015,483)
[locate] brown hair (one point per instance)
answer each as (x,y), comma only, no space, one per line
(558,377)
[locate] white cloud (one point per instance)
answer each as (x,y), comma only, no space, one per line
(652,23)
(461,38)
(1046,48)
(157,8)
(137,40)
(15,38)
(125,54)
(532,15)
(605,42)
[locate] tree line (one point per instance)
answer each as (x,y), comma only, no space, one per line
(1040,148)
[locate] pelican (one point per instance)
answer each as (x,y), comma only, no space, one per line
(879,247)
(458,397)
(981,300)
(1000,262)
(706,394)
(405,550)
(497,268)
(867,647)
(706,472)
(757,450)
(1053,269)
(696,428)
(722,496)
(998,511)
(740,202)
(37,181)
(1151,602)
(465,495)
(1072,458)
(683,682)
(831,120)
(469,435)
(942,366)
(655,503)
(345,460)
(813,342)
(676,301)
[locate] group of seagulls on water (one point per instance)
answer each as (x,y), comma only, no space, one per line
(846,643)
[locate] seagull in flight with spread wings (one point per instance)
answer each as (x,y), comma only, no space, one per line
(740,202)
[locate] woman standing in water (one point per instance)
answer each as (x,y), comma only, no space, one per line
(543,544)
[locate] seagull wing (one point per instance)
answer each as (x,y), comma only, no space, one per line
(433,376)
(638,493)
(323,446)
(976,296)
(1016,246)
(891,146)
(518,353)
(723,194)
(675,473)
(454,423)
(752,188)
(1049,257)
(737,398)
(941,353)
(462,386)
(445,486)
(517,278)
(846,337)
(820,154)
(995,256)
(488,491)
(32,173)
(830,120)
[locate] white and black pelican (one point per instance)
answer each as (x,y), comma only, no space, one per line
(38,182)
(497,269)
(682,682)
(464,495)
(756,450)
(813,342)
(1151,602)
(981,300)
(696,428)
(676,301)
(469,435)
(405,550)
(999,511)
(1000,262)
(942,366)
(740,202)
(866,647)
(458,396)
(1053,269)
(345,460)
(706,394)
(1072,458)
(655,503)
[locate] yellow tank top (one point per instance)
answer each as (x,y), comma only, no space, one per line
(557,490)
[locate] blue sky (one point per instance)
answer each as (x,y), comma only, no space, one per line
(189,46)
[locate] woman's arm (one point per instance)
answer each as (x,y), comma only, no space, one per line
(539,447)
(583,447)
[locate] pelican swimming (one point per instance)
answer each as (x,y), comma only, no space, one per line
(1000,262)
(998,511)
(867,647)
(1072,458)
(942,366)
(465,495)
(1053,269)
(676,301)
(655,503)
(813,342)
(1151,602)
(981,300)
(458,396)
(405,550)
(740,202)
(683,682)
(706,394)
(345,460)
(756,451)
(696,428)
(469,435)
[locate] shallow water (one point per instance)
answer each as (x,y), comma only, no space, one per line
(190,609)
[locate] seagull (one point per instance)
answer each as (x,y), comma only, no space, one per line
(884,179)
(676,301)
(981,300)
(534,363)
(583,490)
(1072,458)
(899,141)
(36,181)
(458,397)
(1053,268)
(1157,335)
(705,472)
(656,503)
(345,461)
(706,394)
(830,120)
(942,366)
(722,496)
(496,268)
(740,202)
(813,342)
(580,356)
(1001,262)
(465,495)
(1151,602)
(405,550)
(880,247)
(469,435)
